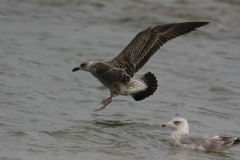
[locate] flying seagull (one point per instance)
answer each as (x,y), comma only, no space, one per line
(181,138)
(117,73)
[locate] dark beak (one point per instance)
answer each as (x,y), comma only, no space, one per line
(163,125)
(75,69)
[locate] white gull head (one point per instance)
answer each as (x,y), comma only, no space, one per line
(179,124)
(85,66)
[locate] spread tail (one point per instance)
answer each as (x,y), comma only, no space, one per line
(143,86)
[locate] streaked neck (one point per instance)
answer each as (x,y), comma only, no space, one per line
(180,132)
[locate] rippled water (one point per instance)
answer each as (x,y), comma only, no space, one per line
(46,111)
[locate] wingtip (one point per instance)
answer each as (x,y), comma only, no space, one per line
(198,23)
(206,23)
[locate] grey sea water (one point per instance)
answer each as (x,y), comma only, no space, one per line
(46,111)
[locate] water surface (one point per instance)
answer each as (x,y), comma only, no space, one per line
(46,111)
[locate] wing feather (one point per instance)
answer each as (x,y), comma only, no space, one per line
(209,142)
(108,74)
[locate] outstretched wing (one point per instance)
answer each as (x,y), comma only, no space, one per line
(147,43)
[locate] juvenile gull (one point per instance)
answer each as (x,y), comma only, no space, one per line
(181,138)
(117,73)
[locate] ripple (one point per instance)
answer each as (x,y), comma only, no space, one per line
(17,133)
(221,90)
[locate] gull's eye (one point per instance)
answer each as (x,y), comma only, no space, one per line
(83,64)
(176,122)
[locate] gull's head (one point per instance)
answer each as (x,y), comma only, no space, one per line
(85,66)
(177,123)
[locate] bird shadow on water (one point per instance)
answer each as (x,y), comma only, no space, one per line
(134,139)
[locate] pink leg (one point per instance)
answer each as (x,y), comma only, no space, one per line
(105,102)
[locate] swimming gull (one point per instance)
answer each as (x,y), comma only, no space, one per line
(181,138)
(117,73)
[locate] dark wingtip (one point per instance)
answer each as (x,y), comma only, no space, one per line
(202,23)
(192,25)
(75,69)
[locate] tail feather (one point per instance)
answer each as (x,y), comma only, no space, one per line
(143,86)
